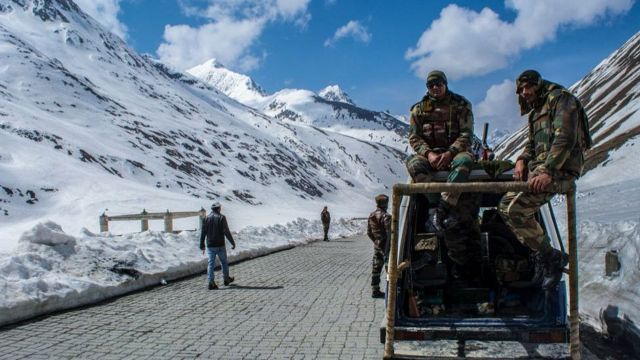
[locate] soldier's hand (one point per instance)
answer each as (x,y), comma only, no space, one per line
(433,159)
(445,160)
(539,183)
(520,172)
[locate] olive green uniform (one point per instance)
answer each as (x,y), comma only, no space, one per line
(325,216)
(439,126)
(379,231)
(558,136)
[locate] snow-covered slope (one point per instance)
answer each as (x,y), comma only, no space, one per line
(608,201)
(87,124)
(331,109)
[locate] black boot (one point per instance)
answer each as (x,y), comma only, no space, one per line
(228,280)
(459,276)
(555,261)
(377,294)
(538,274)
(444,218)
(212,285)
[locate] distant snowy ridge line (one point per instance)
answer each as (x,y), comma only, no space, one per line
(53,271)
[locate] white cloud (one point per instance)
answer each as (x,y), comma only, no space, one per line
(106,13)
(226,40)
(352,29)
(465,42)
(500,109)
(233,28)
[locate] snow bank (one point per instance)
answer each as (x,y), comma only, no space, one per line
(52,271)
(602,296)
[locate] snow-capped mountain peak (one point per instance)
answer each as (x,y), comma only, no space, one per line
(330,110)
(335,93)
(237,86)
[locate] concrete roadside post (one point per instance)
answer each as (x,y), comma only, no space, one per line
(168,222)
(144,224)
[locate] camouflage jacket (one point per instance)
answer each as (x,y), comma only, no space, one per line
(558,133)
(379,228)
(441,124)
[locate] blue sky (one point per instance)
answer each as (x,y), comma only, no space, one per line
(379,51)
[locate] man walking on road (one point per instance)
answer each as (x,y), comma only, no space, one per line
(554,151)
(215,229)
(326,220)
(379,231)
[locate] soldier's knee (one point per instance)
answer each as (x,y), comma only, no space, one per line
(417,164)
(463,159)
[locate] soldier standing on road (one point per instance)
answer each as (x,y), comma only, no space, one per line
(379,231)
(558,137)
(215,229)
(326,220)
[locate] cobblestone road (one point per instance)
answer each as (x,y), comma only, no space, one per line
(309,302)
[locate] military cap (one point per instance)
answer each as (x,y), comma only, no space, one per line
(382,200)
(529,77)
(437,75)
(216,205)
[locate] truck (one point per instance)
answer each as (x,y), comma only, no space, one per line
(500,313)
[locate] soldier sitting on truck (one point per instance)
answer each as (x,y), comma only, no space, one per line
(441,129)
(554,151)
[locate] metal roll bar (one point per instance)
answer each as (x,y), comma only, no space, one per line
(566,187)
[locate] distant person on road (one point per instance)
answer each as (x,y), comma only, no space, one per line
(215,229)
(440,132)
(379,231)
(325,216)
(558,137)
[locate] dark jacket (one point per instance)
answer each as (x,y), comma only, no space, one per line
(215,228)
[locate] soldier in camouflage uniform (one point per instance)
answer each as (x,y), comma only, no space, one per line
(558,137)
(379,231)
(441,129)
(325,217)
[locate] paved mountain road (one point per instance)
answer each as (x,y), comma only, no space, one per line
(309,302)
(312,301)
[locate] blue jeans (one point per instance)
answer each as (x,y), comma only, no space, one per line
(221,252)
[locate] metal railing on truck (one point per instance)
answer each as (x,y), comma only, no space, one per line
(567,188)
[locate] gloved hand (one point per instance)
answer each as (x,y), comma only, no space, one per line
(233,246)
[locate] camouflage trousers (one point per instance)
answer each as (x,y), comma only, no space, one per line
(518,210)
(376,269)
(325,227)
(421,171)
(463,241)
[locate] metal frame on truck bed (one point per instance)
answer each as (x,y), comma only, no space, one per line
(497,331)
